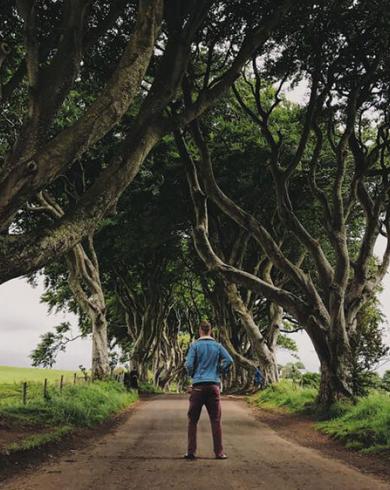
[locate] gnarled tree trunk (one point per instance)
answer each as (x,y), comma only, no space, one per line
(84,281)
(335,358)
(85,284)
(263,347)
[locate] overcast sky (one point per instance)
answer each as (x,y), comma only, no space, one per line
(23,318)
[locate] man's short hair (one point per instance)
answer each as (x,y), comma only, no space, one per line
(205,326)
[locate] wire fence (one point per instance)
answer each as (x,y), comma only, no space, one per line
(36,389)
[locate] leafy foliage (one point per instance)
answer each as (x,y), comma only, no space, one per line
(293,370)
(311,380)
(386,380)
(368,347)
(51,343)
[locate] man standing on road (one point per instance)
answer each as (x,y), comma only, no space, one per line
(206,361)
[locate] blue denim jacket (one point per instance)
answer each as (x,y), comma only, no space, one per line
(206,360)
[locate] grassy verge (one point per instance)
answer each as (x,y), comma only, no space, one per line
(364,425)
(149,388)
(286,395)
(81,405)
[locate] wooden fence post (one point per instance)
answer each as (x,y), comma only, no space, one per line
(24,393)
(45,393)
(74,378)
(61,383)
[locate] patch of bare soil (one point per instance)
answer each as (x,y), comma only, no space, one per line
(301,429)
(10,433)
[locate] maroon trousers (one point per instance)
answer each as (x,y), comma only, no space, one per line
(209,395)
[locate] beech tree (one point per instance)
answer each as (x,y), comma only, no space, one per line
(53,46)
(252,323)
(48,50)
(83,277)
(147,284)
(345,155)
(74,284)
(169,61)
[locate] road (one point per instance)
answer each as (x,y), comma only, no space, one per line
(145,452)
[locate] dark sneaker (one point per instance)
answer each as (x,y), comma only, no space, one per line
(221,456)
(189,456)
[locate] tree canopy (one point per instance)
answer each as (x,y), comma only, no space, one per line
(127,124)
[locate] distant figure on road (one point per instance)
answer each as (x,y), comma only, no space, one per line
(134,379)
(206,361)
(259,378)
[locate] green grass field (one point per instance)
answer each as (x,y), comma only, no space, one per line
(9,374)
(59,412)
(11,379)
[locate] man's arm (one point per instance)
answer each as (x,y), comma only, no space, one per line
(225,357)
(190,360)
